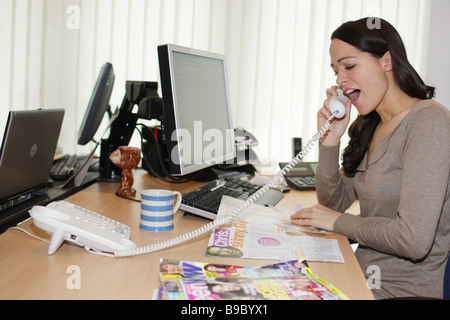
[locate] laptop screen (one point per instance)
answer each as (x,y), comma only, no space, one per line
(28,149)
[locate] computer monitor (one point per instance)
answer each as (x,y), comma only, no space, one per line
(98,104)
(197,124)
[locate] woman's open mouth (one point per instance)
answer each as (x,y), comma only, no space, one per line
(353,94)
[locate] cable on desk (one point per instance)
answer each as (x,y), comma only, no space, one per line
(28,233)
(132,199)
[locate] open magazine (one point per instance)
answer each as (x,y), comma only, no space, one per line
(290,280)
(266,233)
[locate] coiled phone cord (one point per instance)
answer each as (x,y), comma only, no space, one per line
(234,215)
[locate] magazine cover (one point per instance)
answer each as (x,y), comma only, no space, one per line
(176,269)
(266,233)
(290,280)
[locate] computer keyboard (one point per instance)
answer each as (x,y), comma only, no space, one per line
(64,166)
(205,200)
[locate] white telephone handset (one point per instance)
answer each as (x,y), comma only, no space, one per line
(66,227)
(337,104)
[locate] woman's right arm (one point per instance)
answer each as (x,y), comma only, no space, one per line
(338,126)
(334,190)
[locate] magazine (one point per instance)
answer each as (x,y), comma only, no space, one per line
(290,280)
(176,269)
(266,233)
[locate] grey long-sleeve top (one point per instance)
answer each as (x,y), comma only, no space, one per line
(404,194)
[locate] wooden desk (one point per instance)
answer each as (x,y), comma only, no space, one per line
(27,272)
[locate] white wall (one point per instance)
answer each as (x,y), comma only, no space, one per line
(438,68)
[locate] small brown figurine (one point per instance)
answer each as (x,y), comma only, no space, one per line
(126,158)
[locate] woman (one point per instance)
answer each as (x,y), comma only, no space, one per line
(397,164)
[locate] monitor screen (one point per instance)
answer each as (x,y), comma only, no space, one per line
(197,123)
(98,104)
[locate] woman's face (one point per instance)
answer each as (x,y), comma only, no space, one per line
(362,77)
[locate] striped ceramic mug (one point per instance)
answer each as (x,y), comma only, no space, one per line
(158,208)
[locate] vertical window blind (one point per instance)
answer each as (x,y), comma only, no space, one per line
(277,54)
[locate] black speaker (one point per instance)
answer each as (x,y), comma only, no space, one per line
(296,146)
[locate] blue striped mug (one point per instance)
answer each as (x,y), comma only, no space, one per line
(158,208)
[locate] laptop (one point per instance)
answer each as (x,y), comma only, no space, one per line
(27,152)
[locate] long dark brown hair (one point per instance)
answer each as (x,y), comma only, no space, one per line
(377,39)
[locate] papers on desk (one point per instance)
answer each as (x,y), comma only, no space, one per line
(266,233)
(290,280)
